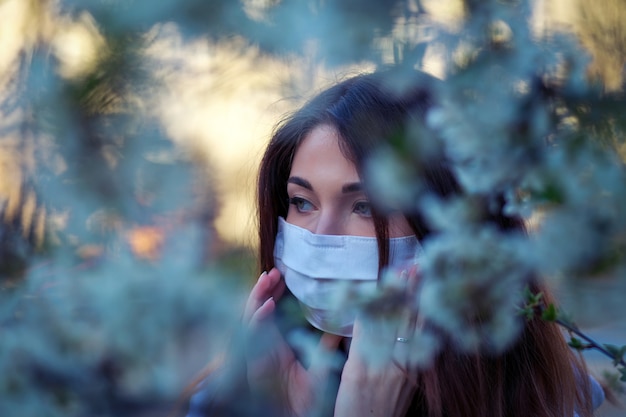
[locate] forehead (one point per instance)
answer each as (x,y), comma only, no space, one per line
(320,152)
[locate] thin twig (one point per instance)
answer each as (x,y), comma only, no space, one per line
(592,343)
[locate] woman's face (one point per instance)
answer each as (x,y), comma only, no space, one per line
(325,192)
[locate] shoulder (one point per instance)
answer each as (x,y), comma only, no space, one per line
(597,393)
(200,401)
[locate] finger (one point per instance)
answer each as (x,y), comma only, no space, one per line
(279,286)
(373,340)
(414,279)
(384,335)
(261,291)
(262,313)
(324,369)
(323,359)
(395,278)
(330,341)
(409,321)
(263,339)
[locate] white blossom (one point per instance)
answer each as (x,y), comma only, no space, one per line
(472,286)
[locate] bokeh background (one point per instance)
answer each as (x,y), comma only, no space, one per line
(130,134)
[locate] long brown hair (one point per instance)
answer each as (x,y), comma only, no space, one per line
(539,375)
(364,110)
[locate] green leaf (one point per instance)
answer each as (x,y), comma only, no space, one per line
(527,312)
(531,302)
(532,299)
(550,313)
(576,343)
(617,352)
(612,380)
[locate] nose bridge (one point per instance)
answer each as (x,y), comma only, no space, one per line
(329,223)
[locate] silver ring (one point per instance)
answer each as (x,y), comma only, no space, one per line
(402,340)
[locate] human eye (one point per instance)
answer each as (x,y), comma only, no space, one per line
(363,208)
(302,205)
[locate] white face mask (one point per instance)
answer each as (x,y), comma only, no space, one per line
(331,274)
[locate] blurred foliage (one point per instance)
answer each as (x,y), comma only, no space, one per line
(279,27)
(113,291)
(603,32)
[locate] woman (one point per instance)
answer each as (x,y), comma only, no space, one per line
(314,211)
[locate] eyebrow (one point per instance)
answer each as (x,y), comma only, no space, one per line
(301,182)
(352,187)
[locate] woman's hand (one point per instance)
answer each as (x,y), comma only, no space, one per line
(378,378)
(274,374)
(373,382)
